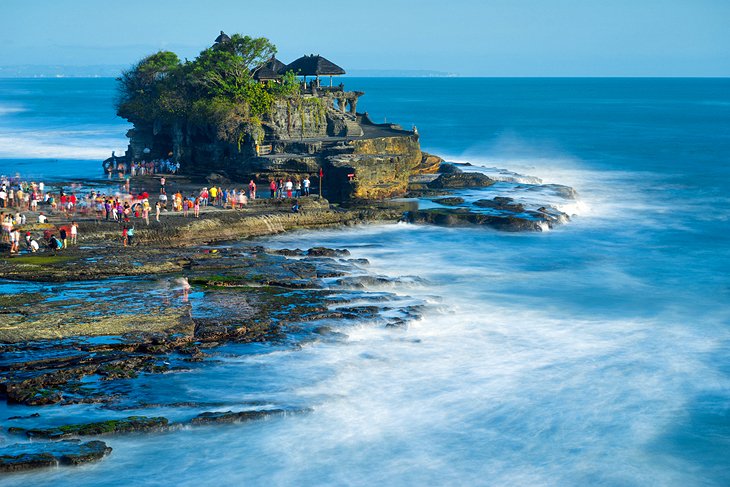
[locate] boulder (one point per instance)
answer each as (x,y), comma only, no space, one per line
(325,252)
(461,180)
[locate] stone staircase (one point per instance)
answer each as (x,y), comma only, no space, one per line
(353,128)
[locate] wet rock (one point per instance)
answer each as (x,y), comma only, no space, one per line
(286,252)
(113,426)
(236,417)
(563,191)
(359,261)
(325,252)
(501,203)
(30,416)
(361,282)
(449,168)
(461,180)
(450,201)
(28,456)
(450,218)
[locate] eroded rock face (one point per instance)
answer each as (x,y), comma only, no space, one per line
(28,456)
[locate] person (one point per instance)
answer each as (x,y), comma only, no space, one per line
(295,207)
(146,210)
(54,244)
(74,232)
(62,233)
(125,235)
(297,188)
(162,185)
(305,185)
(252,190)
(14,241)
(196,207)
(272,187)
(157,211)
(130,235)
(289,188)
(42,218)
(163,201)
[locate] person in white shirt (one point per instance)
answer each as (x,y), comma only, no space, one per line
(42,218)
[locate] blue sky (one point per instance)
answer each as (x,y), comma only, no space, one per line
(466,37)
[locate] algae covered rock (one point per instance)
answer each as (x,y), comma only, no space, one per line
(234,417)
(28,456)
(124,425)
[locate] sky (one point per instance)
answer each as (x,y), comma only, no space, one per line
(462,37)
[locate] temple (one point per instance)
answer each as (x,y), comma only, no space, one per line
(319,128)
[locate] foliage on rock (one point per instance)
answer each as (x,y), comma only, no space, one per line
(215,91)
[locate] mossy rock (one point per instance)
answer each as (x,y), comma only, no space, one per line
(113,426)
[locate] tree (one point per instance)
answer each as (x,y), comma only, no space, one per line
(215,90)
(141,86)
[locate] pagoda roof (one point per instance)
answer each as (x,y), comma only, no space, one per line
(314,65)
(271,69)
(223,37)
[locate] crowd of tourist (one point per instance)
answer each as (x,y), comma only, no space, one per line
(142,168)
(24,202)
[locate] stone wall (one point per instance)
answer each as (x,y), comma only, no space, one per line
(305,117)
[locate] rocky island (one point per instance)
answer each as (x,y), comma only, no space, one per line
(236,112)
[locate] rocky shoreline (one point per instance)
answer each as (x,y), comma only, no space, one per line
(78,325)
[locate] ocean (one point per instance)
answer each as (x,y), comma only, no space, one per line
(597,353)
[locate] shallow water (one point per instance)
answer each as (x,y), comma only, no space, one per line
(595,353)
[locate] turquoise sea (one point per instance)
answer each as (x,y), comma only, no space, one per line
(597,353)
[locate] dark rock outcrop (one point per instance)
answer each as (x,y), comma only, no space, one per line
(238,416)
(325,252)
(450,218)
(459,180)
(501,203)
(450,201)
(114,426)
(27,456)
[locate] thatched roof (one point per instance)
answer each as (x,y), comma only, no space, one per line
(223,37)
(271,69)
(314,65)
